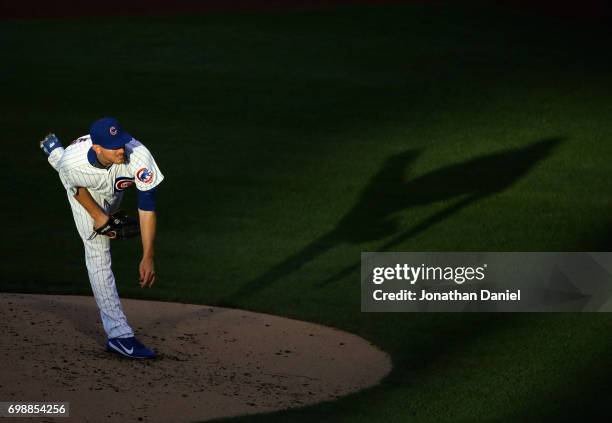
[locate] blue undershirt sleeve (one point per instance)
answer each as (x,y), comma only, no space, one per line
(146,199)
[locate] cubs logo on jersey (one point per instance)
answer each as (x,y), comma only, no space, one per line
(144,175)
(123,182)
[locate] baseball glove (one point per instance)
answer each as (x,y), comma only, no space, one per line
(119,226)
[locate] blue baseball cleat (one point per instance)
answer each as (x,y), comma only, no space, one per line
(129,347)
(50,143)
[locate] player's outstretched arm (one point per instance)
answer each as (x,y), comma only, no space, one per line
(85,199)
(148,224)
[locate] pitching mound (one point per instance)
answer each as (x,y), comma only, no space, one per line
(213,362)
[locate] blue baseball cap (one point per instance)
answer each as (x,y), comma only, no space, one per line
(107,133)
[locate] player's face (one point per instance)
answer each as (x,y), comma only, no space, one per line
(113,156)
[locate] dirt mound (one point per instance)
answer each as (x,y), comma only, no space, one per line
(213,362)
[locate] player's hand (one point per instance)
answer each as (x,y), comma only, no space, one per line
(147,272)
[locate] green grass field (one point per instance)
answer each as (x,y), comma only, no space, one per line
(292,141)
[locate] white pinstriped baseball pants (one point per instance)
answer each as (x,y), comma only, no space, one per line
(98,262)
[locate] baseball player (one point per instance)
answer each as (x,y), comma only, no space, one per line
(95,170)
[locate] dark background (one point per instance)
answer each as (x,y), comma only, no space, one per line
(293,137)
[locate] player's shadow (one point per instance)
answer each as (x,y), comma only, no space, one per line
(376,214)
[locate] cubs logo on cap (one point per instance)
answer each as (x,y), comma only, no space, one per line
(107,133)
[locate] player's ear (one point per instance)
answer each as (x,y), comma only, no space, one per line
(96,148)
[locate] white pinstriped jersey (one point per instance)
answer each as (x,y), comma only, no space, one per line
(108,185)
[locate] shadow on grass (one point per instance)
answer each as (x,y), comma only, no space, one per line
(376,214)
(605,242)
(586,399)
